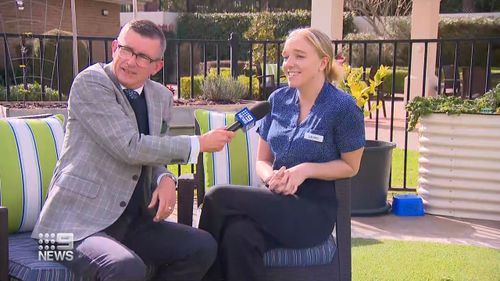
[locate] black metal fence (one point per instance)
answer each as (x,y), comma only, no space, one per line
(464,67)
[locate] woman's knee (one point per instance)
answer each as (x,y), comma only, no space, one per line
(240,231)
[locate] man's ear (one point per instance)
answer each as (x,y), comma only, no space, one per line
(114,46)
(158,65)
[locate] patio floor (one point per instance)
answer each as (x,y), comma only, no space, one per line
(429,228)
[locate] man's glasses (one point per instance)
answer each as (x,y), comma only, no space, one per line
(142,60)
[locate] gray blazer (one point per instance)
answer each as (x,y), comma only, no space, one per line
(103,153)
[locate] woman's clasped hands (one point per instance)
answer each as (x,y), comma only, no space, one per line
(286,181)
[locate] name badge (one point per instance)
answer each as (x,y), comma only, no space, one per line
(313,137)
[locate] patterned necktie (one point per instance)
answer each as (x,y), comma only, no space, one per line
(131,94)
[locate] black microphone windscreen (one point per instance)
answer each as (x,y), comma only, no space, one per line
(261,109)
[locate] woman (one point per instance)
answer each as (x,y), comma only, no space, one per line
(313,135)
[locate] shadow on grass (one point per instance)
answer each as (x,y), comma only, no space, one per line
(359,242)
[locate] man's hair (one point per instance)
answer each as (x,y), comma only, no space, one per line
(147,29)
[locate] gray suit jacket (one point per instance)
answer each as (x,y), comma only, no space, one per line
(103,153)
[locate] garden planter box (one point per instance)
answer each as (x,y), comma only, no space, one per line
(183,115)
(459,161)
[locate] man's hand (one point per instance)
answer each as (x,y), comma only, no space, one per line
(165,194)
(215,140)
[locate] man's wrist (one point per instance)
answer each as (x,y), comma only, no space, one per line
(170,176)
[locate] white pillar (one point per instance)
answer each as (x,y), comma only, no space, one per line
(134,9)
(327,16)
(424,25)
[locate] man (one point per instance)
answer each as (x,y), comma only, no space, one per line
(110,188)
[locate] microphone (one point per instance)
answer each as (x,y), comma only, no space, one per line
(245,118)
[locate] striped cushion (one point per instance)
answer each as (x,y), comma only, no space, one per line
(318,255)
(24,264)
(235,164)
(29,152)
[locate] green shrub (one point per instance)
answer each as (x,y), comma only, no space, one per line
(489,103)
(372,51)
(32,93)
(186,86)
(400,81)
(220,88)
(251,26)
(224,72)
(245,80)
(274,26)
(216,26)
(466,27)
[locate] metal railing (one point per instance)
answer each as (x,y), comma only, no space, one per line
(473,63)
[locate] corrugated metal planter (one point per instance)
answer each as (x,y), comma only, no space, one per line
(460,165)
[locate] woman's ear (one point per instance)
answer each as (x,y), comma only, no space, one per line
(324,62)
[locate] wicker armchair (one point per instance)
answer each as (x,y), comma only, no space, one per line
(340,266)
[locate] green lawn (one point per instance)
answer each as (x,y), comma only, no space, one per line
(398,168)
(417,261)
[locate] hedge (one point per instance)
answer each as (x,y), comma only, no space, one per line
(219,26)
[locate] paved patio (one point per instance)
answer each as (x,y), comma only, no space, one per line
(429,228)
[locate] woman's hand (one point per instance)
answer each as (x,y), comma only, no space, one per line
(278,180)
(287,181)
(295,177)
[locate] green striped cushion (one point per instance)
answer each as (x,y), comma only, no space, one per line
(29,151)
(235,164)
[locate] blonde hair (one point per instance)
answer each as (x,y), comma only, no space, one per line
(333,71)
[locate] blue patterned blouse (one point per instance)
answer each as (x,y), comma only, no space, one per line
(335,125)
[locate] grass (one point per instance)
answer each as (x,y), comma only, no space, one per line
(418,261)
(398,168)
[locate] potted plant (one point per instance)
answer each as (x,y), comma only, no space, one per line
(459,172)
(371,184)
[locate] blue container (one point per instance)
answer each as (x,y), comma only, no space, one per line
(409,205)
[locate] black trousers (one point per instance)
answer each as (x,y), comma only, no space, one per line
(246,222)
(123,251)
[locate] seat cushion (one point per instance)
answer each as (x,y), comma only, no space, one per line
(319,255)
(235,164)
(30,149)
(25,265)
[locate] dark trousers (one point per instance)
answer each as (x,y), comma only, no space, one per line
(246,222)
(178,252)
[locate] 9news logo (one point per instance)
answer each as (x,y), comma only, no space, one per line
(55,247)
